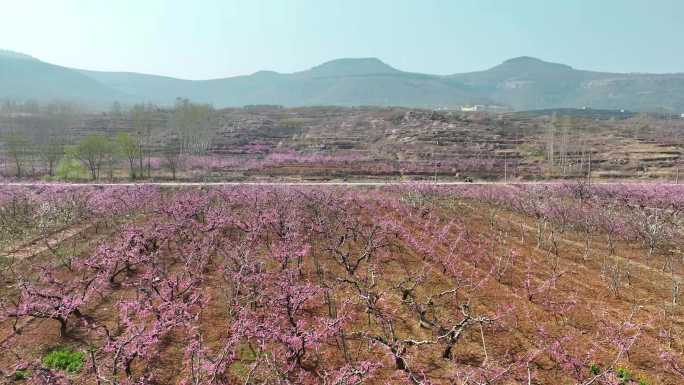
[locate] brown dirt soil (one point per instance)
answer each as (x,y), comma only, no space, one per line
(647,289)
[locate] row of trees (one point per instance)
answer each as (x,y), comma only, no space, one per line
(607,220)
(90,154)
(291,286)
(48,140)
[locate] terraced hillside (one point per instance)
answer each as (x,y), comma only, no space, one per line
(332,143)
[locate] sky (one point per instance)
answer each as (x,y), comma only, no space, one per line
(203,39)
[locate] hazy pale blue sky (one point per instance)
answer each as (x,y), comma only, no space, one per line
(200,39)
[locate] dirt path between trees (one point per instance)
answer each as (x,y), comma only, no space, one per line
(43,244)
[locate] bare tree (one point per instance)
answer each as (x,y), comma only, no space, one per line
(17,147)
(128,148)
(173,155)
(52,138)
(550,140)
(193,125)
(142,116)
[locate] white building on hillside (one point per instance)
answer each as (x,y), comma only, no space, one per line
(471,108)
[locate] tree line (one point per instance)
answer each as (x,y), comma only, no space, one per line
(53,141)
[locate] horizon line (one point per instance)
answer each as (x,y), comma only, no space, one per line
(132,72)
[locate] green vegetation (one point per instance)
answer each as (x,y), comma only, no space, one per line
(624,375)
(129,149)
(21,375)
(64,359)
(70,168)
(92,152)
(594,369)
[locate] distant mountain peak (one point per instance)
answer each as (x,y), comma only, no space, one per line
(7,54)
(265,73)
(352,66)
(522,83)
(529,62)
(523,60)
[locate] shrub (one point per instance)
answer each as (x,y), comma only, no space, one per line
(594,369)
(64,359)
(21,375)
(71,169)
(624,375)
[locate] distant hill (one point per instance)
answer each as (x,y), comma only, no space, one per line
(344,82)
(527,83)
(523,83)
(23,77)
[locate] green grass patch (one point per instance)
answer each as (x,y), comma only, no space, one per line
(21,375)
(594,369)
(64,359)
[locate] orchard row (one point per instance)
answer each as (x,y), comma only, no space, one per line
(417,285)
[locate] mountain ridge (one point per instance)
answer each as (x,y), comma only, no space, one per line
(521,83)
